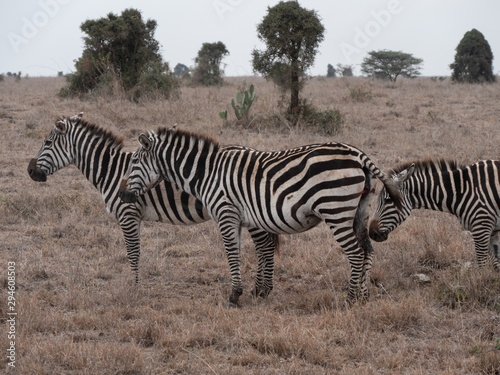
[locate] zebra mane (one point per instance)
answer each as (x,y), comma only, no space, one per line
(98,131)
(183,133)
(423,164)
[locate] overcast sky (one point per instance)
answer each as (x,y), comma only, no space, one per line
(43,37)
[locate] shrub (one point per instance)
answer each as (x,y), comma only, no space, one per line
(120,53)
(360,94)
(327,122)
(155,80)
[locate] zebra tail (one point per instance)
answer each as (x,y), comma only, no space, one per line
(276,240)
(392,189)
(388,182)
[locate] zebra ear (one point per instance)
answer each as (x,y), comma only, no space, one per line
(145,142)
(405,174)
(61,126)
(77,117)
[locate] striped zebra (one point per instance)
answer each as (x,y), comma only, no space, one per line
(471,193)
(279,192)
(99,156)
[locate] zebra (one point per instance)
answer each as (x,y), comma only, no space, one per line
(281,192)
(471,193)
(99,156)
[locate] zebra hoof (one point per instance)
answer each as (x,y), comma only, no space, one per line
(260,292)
(232,305)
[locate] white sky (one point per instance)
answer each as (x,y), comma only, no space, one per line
(42,37)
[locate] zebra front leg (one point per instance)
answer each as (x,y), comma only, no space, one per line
(131,232)
(265,246)
(230,229)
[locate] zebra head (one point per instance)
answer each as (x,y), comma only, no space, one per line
(56,151)
(143,173)
(387,217)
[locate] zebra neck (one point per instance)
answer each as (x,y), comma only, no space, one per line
(99,160)
(429,191)
(192,172)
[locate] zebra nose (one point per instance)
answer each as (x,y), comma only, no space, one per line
(126,195)
(36,173)
(376,234)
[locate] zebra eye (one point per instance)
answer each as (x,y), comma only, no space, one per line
(48,143)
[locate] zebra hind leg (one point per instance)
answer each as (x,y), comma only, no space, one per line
(361,229)
(346,237)
(265,246)
(495,251)
(482,236)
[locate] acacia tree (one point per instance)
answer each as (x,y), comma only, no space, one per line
(390,65)
(292,35)
(208,69)
(121,47)
(473,60)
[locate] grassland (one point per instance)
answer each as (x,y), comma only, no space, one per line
(79,311)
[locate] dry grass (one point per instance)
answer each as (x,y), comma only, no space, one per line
(80,312)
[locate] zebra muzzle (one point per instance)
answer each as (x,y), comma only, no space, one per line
(126,195)
(376,234)
(36,173)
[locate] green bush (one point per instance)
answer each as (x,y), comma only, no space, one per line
(120,55)
(327,122)
(360,94)
(155,80)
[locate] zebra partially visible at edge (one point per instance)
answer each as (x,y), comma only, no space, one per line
(287,191)
(99,156)
(471,193)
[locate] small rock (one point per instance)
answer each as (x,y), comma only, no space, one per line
(424,279)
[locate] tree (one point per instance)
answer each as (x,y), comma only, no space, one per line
(208,71)
(390,65)
(181,70)
(344,70)
(473,60)
(330,71)
(116,48)
(292,35)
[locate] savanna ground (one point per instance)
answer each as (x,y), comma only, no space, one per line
(79,311)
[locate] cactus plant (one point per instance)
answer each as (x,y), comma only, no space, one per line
(223,115)
(245,100)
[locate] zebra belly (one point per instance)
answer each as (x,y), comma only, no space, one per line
(282,222)
(150,214)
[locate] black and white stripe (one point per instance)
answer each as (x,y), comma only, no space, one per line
(279,192)
(471,193)
(99,156)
